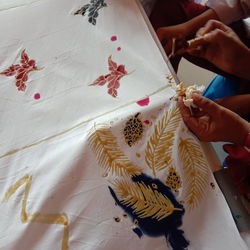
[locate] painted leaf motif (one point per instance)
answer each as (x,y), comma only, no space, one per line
(11,70)
(112,64)
(113,78)
(163,213)
(21,71)
(121,70)
(100,81)
(112,92)
(196,171)
(145,201)
(113,82)
(82,10)
(22,75)
(93,7)
(93,14)
(21,86)
(92,20)
(109,155)
(158,153)
(24,58)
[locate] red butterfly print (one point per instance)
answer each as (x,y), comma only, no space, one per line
(21,71)
(113,79)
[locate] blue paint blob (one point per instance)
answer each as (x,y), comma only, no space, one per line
(138,232)
(169,225)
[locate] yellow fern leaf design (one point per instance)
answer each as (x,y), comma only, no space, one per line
(109,154)
(195,169)
(145,201)
(158,154)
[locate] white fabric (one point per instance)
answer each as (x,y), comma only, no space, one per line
(230,10)
(53,191)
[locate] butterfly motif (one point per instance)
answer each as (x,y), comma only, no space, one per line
(21,71)
(93,8)
(113,79)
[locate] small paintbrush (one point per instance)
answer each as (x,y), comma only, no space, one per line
(186,45)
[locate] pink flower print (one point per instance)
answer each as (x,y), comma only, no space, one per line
(113,79)
(21,71)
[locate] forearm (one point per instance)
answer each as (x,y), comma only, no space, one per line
(197,22)
(239,104)
(240,136)
(242,66)
(243,108)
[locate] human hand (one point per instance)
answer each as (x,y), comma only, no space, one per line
(166,34)
(212,122)
(222,47)
(184,30)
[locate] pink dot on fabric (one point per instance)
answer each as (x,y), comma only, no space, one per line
(113,38)
(119,48)
(147,122)
(37,96)
(143,102)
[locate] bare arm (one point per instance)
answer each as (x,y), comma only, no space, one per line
(239,104)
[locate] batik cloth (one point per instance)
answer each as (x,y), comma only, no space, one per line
(94,154)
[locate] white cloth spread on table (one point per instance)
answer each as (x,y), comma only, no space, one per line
(93,152)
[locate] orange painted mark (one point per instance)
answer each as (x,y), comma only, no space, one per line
(58,218)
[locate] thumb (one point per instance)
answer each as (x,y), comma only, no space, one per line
(206,105)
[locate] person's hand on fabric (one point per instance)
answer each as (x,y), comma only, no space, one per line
(212,122)
(222,47)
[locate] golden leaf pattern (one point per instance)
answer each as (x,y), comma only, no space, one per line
(174,180)
(144,200)
(158,153)
(109,155)
(195,169)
